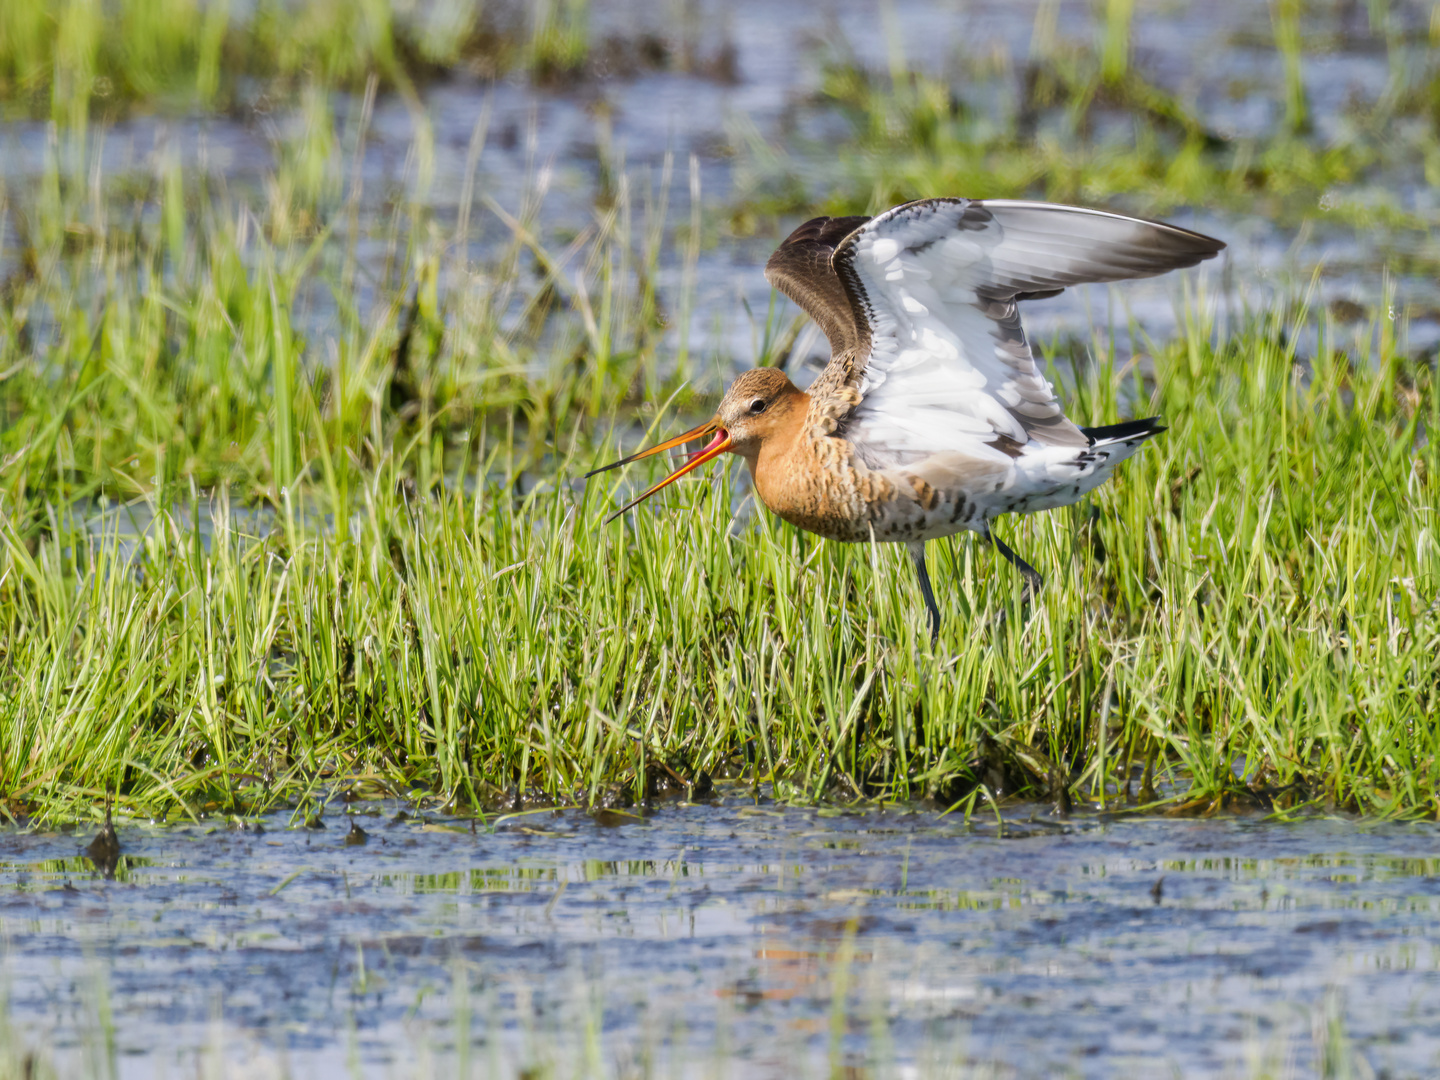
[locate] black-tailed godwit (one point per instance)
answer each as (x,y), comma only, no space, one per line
(931,417)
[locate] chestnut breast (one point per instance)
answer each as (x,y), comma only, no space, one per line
(811,483)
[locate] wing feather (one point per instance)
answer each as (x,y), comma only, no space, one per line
(801,269)
(936,283)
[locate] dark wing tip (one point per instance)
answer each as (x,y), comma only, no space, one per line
(1209,245)
(1182,247)
(1121,246)
(818,236)
(1187,243)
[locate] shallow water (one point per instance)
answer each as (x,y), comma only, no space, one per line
(730,938)
(649,124)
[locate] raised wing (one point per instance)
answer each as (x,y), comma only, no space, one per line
(800,268)
(937,283)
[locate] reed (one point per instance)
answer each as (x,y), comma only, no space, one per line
(258,543)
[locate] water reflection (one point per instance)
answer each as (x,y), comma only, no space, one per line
(717,932)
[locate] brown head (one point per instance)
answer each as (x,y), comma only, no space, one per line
(760,404)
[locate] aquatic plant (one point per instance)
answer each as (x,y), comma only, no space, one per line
(360,556)
(1082,121)
(274,520)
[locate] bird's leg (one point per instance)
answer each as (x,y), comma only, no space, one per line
(1032,576)
(1033,581)
(917,554)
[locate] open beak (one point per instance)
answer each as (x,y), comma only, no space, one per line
(717,445)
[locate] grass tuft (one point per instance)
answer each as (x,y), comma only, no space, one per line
(265,534)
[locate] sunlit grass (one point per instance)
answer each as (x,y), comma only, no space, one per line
(363,556)
(79,58)
(367,563)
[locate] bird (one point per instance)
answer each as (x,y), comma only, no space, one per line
(931,417)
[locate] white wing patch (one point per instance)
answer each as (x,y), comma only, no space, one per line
(943,373)
(950,369)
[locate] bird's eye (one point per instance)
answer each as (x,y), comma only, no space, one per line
(758,405)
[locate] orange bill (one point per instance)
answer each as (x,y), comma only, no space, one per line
(713,449)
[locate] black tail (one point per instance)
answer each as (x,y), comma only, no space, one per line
(1129,431)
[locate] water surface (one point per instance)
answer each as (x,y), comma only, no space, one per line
(730,938)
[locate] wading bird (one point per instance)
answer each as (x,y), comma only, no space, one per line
(931,417)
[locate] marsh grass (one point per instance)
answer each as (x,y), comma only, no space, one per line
(264,541)
(74,61)
(147,53)
(426,599)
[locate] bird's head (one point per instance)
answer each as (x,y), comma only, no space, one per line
(759,404)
